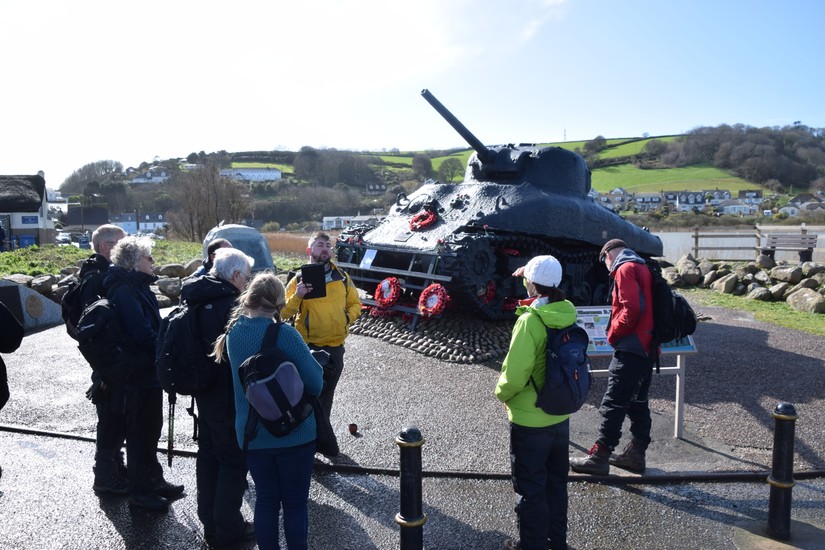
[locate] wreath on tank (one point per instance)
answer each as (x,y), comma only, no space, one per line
(387,292)
(423,219)
(433,300)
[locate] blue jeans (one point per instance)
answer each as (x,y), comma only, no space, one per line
(628,385)
(282,477)
(539,462)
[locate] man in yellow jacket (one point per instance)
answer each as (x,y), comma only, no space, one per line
(324,322)
(538,441)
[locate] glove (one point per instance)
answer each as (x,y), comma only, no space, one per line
(95,392)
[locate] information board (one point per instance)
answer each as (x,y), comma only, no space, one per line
(595,319)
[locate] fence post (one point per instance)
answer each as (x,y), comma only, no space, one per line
(696,241)
(781,478)
(410,518)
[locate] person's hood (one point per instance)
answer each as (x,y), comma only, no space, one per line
(625,256)
(206,289)
(553,315)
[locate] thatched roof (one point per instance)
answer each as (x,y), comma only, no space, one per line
(21,193)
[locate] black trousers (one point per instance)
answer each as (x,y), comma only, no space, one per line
(111,426)
(628,385)
(220,471)
(144,422)
(539,463)
(332,373)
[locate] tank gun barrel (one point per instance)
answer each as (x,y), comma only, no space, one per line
(483,152)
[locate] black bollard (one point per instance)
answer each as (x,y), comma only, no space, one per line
(410,518)
(781,478)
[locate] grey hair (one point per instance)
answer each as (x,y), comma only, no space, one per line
(128,252)
(228,261)
(106,232)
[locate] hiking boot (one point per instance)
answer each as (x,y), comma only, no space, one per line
(107,480)
(512,544)
(632,458)
(166,489)
(595,463)
(247,534)
(149,502)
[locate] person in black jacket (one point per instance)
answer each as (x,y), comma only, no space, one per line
(111,422)
(10,337)
(221,466)
(127,286)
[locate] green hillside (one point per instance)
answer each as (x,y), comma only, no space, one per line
(690,178)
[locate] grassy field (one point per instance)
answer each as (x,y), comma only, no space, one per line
(697,178)
(285,168)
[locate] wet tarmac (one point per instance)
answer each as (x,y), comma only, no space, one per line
(705,490)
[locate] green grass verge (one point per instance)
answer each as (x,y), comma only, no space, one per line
(776,313)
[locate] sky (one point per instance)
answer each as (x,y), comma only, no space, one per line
(89,80)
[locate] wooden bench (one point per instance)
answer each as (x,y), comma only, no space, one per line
(802,243)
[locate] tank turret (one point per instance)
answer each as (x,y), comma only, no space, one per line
(516,201)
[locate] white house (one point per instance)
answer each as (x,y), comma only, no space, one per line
(149,222)
(24,210)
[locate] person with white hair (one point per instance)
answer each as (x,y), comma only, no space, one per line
(221,466)
(127,286)
(538,440)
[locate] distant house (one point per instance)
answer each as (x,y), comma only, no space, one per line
(619,196)
(790,210)
(605,200)
(252,174)
(24,209)
(375,189)
(342,222)
(152,175)
(735,207)
(716,196)
(150,222)
(686,201)
(751,196)
(647,202)
(802,199)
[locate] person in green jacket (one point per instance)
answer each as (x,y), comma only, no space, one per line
(538,441)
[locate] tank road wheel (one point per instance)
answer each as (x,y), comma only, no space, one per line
(480,282)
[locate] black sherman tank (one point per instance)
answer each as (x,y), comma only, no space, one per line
(516,202)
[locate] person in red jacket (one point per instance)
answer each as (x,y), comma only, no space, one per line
(628,384)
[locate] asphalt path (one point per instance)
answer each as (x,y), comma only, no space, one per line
(705,490)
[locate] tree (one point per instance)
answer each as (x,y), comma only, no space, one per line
(98,171)
(422,166)
(449,169)
(204,199)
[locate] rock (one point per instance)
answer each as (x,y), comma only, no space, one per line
(807,300)
(762,277)
(809,269)
(19,278)
(819,278)
(172,270)
(787,274)
(778,290)
(671,275)
(804,283)
(170,287)
(739,290)
(71,270)
(192,266)
(43,283)
(765,262)
(725,284)
(163,301)
(706,266)
(760,293)
(690,274)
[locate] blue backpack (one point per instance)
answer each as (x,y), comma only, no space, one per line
(567,378)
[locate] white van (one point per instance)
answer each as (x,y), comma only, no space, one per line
(244,238)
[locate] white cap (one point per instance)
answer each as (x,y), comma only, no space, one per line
(543,270)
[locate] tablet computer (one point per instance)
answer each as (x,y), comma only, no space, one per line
(313,275)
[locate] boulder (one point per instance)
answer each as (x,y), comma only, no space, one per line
(172,270)
(765,262)
(709,278)
(19,278)
(804,283)
(739,290)
(760,293)
(809,269)
(725,284)
(819,278)
(778,290)
(671,275)
(169,286)
(690,273)
(706,266)
(192,266)
(43,283)
(787,274)
(762,277)
(807,300)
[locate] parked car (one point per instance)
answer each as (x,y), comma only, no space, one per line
(244,238)
(63,238)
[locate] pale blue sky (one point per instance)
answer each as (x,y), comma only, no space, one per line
(86,80)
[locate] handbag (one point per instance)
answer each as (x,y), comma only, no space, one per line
(325,443)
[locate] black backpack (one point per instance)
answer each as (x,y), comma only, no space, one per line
(71,305)
(567,379)
(182,367)
(274,389)
(673,318)
(102,339)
